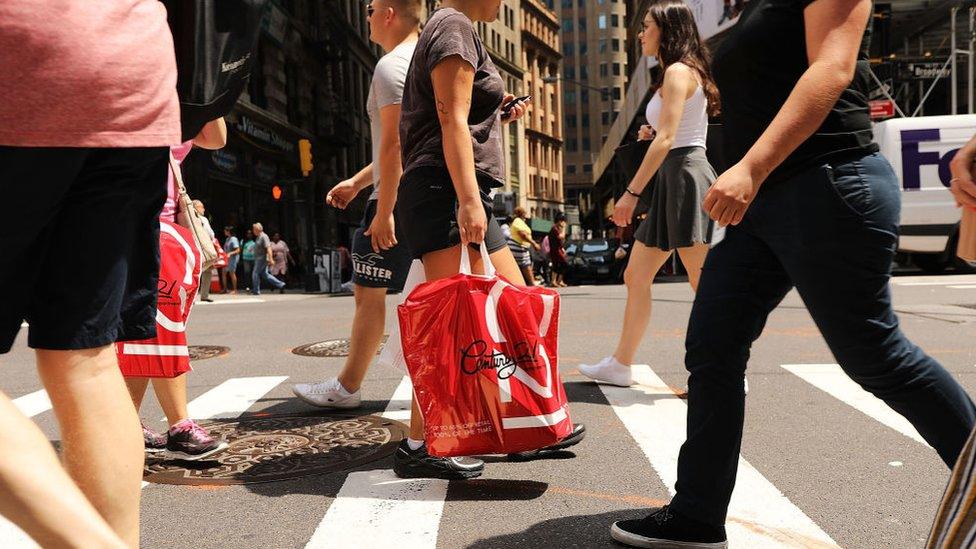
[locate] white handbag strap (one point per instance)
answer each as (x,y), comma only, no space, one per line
(465,267)
(174,166)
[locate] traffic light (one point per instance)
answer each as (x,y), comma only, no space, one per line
(276,193)
(305,156)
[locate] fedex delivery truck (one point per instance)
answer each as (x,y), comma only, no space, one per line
(919,150)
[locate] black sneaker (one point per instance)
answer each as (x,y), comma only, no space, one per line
(418,463)
(188,440)
(666,529)
(574,438)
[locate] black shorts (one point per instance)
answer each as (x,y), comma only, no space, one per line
(386,269)
(427,204)
(80,241)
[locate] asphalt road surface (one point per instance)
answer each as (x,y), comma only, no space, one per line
(823,463)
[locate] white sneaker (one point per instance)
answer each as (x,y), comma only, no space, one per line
(328,394)
(609,371)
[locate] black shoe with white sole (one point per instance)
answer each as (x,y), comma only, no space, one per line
(418,463)
(574,438)
(666,529)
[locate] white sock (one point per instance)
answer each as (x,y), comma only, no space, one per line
(414,444)
(342,390)
(617,363)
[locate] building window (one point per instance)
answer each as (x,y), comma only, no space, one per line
(570,72)
(582,48)
(615,20)
(616,93)
(602,21)
(587,168)
(573,145)
(571,121)
(585,97)
(616,45)
(603,45)
(586,145)
(567,25)
(584,74)
(567,3)
(571,98)
(571,169)
(616,69)
(582,24)
(568,48)
(586,120)
(605,118)
(603,69)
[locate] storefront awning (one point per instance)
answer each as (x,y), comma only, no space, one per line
(540,225)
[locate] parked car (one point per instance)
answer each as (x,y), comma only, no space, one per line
(593,261)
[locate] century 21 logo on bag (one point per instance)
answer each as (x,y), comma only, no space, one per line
(482,355)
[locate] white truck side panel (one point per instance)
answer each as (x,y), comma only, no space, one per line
(919,149)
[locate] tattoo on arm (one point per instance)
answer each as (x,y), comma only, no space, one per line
(441,107)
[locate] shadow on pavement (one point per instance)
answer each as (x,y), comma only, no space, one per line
(573,531)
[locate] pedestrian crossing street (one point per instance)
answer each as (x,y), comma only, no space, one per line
(374,507)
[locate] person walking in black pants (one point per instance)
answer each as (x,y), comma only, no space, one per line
(809,203)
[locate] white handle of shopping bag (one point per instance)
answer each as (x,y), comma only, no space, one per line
(465,267)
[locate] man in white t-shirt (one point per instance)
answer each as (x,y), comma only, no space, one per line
(380,258)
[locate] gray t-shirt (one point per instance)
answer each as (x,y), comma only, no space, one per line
(261,245)
(450,33)
(386,89)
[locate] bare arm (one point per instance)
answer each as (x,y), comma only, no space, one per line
(453,81)
(679,84)
(363,178)
(213,136)
(382,231)
(834,29)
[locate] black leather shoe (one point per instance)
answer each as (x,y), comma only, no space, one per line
(666,529)
(418,463)
(574,438)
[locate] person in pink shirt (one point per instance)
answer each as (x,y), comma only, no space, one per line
(90,109)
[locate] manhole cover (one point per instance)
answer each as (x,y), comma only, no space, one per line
(330,348)
(203,352)
(272,448)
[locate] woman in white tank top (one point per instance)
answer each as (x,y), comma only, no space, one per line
(676,169)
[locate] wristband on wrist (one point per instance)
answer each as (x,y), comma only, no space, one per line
(631,193)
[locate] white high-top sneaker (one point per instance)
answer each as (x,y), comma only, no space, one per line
(328,394)
(609,371)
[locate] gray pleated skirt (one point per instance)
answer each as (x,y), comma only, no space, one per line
(675,218)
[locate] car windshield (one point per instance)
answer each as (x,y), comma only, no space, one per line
(601,246)
(571,249)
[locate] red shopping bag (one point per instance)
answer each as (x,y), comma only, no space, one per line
(166,355)
(482,355)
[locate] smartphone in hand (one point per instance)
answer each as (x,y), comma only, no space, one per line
(507,107)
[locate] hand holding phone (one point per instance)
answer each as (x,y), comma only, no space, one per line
(507,107)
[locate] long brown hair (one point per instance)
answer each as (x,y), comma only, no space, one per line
(682,43)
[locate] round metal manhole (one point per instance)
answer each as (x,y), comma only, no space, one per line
(329,349)
(203,352)
(281,447)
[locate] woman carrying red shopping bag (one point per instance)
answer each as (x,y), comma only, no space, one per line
(482,354)
(453,110)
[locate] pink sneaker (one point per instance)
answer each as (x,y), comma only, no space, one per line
(187,440)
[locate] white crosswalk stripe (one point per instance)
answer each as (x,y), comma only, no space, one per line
(232,397)
(373,508)
(760,516)
(831,379)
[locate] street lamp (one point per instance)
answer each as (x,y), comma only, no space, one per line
(604,93)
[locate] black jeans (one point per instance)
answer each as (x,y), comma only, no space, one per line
(831,232)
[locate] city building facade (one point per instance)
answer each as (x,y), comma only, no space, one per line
(309,80)
(594,76)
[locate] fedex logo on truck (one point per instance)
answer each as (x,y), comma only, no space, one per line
(913,158)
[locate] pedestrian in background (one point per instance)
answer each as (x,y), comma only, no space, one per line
(521,235)
(232,246)
(247,258)
(558,260)
(809,202)
(206,277)
(281,257)
(263,258)
(164,358)
(683,98)
(89,112)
